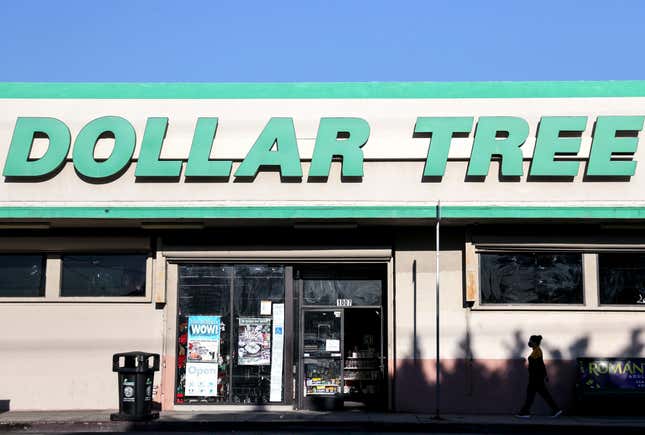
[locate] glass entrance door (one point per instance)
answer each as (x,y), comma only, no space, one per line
(322,356)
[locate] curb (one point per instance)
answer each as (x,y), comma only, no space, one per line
(317,426)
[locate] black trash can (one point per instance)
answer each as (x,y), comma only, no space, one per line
(136,378)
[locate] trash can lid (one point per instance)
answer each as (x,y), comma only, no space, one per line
(135,361)
(136,353)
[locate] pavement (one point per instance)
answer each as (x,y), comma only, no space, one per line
(312,421)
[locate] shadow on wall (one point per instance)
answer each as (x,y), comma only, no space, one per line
(4,406)
(472,385)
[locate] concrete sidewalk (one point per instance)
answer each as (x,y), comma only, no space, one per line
(300,421)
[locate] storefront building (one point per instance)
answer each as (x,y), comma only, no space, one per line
(277,244)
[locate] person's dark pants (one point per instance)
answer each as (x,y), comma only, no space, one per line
(538,387)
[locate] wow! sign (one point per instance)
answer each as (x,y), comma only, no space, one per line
(203,328)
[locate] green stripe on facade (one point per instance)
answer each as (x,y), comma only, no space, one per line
(368,90)
(323,212)
(278,212)
(531,212)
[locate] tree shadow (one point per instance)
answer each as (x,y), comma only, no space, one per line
(472,385)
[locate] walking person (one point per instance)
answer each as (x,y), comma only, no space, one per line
(537,381)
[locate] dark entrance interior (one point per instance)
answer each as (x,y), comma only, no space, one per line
(363,362)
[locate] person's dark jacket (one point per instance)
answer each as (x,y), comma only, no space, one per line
(537,369)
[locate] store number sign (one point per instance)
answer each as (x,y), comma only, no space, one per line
(343,302)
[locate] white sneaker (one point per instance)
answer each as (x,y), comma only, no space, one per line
(523,415)
(557,414)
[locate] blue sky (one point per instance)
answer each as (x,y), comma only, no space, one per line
(330,41)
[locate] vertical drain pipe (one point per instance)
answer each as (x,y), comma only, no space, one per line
(437,335)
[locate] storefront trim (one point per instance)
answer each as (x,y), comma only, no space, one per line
(282,255)
(542,212)
(260,212)
(327,212)
(365,90)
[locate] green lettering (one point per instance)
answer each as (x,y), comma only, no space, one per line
(605,144)
(593,368)
(638,368)
(603,368)
(124,141)
(442,130)
(149,163)
(549,145)
(615,368)
(330,144)
(18,163)
(199,163)
(278,132)
(486,145)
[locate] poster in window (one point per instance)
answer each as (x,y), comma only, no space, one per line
(201,379)
(203,355)
(254,341)
(203,338)
(275,392)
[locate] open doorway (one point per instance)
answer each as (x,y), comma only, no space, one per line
(363,364)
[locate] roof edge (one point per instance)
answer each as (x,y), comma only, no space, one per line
(324,90)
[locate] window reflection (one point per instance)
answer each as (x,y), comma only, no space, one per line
(361,284)
(531,278)
(104,275)
(622,278)
(22,275)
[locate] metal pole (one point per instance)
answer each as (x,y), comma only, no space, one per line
(437,335)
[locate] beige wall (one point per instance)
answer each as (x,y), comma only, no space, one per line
(386,183)
(59,355)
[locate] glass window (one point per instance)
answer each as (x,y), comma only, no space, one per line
(531,278)
(22,275)
(104,275)
(257,289)
(363,285)
(235,365)
(321,327)
(204,291)
(622,278)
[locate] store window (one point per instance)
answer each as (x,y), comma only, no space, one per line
(621,278)
(110,275)
(230,342)
(355,284)
(22,275)
(531,278)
